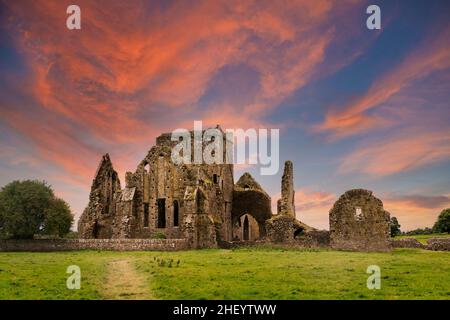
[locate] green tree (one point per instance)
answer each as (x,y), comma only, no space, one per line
(30,207)
(443,222)
(395,227)
(58,218)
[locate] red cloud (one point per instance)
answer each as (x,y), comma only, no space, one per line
(402,152)
(312,207)
(131,60)
(134,71)
(416,211)
(433,55)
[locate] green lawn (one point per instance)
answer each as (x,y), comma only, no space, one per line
(424,237)
(256,273)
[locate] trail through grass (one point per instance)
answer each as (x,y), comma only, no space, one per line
(123,282)
(251,273)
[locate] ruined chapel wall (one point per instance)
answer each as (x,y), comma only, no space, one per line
(161,179)
(358,221)
(97,219)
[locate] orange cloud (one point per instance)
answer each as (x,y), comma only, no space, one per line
(416,211)
(402,152)
(433,55)
(57,145)
(412,211)
(129,60)
(134,71)
(312,207)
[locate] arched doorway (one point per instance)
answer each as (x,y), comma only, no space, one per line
(95,230)
(246,230)
(257,206)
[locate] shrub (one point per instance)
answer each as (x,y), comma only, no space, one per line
(443,222)
(158,235)
(395,227)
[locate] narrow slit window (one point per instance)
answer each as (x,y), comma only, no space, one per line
(145,214)
(161,213)
(358,212)
(175,214)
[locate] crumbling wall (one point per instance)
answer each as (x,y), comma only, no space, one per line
(358,221)
(407,243)
(439,244)
(249,198)
(286,205)
(159,179)
(49,245)
(97,219)
(247,229)
(314,239)
(198,227)
(285,228)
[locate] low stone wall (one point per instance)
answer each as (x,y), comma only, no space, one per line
(407,243)
(314,239)
(319,240)
(441,244)
(437,244)
(94,244)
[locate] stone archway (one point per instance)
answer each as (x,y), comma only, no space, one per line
(251,200)
(246,229)
(254,204)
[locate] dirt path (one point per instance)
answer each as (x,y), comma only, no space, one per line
(124,282)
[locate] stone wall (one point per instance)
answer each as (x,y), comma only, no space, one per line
(407,243)
(250,198)
(285,228)
(314,239)
(94,244)
(441,244)
(437,244)
(359,222)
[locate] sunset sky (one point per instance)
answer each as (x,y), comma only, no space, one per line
(356,108)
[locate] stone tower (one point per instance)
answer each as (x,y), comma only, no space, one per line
(286,205)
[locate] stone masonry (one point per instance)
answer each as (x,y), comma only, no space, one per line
(286,205)
(201,205)
(359,222)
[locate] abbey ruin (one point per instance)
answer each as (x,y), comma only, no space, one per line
(201,204)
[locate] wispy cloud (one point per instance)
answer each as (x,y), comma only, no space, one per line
(312,207)
(401,152)
(431,56)
(416,211)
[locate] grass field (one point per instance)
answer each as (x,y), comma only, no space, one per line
(256,273)
(424,237)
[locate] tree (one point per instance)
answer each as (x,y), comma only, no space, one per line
(58,218)
(30,207)
(395,227)
(443,222)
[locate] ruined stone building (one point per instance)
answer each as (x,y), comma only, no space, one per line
(358,221)
(198,202)
(201,203)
